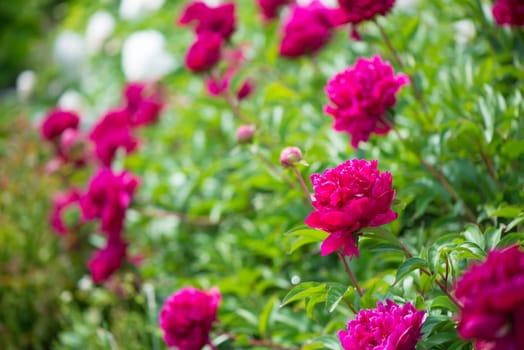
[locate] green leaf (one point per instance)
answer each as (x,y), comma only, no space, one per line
(410,265)
(336,292)
(265,315)
(473,234)
(443,302)
(328,342)
(507,211)
(302,291)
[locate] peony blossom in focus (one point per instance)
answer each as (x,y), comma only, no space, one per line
(388,327)
(307,30)
(56,122)
(107,260)
(347,198)
(509,12)
(143,103)
(492,298)
(219,20)
(204,53)
(107,198)
(187,316)
(111,133)
(361,95)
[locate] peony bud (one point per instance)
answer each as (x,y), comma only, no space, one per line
(290,156)
(245,134)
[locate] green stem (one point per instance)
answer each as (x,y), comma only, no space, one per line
(350,273)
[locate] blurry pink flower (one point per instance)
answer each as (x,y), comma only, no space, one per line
(107,198)
(61,202)
(306,30)
(143,103)
(245,89)
(245,134)
(111,133)
(270,8)
(290,156)
(56,121)
(492,298)
(219,20)
(357,11)
(73,147)
(107,260)
(349,197)
(361,95)
(204,53)
(509,12)
(388,327)
(187,316)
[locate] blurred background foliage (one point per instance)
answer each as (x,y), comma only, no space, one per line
(212,212)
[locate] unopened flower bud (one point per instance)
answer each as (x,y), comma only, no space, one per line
(290,156)
(245,134)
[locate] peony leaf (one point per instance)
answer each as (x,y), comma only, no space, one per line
(408,266)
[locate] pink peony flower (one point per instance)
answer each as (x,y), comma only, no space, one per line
(143,103)
(111,133)
(348,198)
(270,8)
(108,198)
(219,20)
(245,89)
(509,12)
(245,134)
(187,316)
(306,30)
(107,260)
(204,53)
(61,202)
(57,121)
(388,327)
(492,298)
(357,11)
(73,147)
(290,156)
(361,95)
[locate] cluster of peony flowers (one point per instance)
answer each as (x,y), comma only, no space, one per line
(109,193)
(388,327)
(186,318)
(492,299)
(361,96)
(347,198)
(214,27)
(509,12)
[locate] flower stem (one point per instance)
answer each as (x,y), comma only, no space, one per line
(302,183)
(350,274)
(262,343)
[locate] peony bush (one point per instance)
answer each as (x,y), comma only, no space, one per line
(263,180)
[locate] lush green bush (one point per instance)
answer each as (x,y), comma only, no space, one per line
(212,212)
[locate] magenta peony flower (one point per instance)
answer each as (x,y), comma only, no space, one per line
(143,103)
(357,11)
(108,198)
(204,53)
(348,198)
(388,327)
(112,132)
(509,12)
(219,20)
(360,97)
(57,121)
(73,147)
(107,260)
(270,8)
(492,298)
(306,30)
(61,202)
(187,316)
(245,89)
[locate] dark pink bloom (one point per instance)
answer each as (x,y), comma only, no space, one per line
(306,30)
(61,202)
(56,121)
(270,8)
(348,198)
(107,198)
(219,20)
(187,316)
(112,132)
(361,95)
(509,12)
(217,85)
(245,89)
(388,327)
(143,103)
(107,260)
(357,11)
(204,53)
(73,147)
(492,298)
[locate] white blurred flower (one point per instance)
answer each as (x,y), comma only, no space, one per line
(213,3)
(25,84)
(69,49)
(464,31)
(85,283)
(72,101)
(99,28)
(144,56)
(406,5)
(136,9)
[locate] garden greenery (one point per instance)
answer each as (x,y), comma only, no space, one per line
(268,175)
